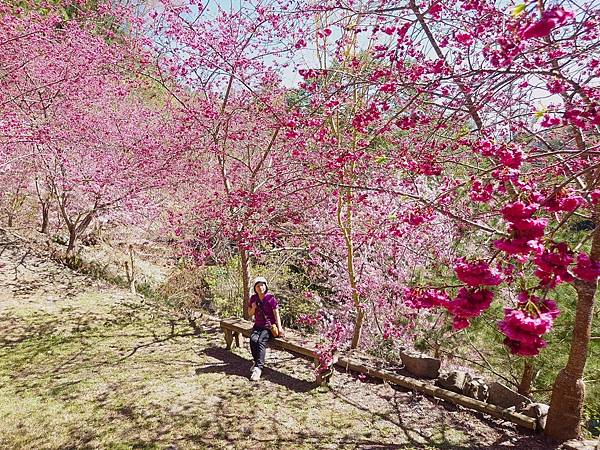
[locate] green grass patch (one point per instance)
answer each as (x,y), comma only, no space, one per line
(109,370)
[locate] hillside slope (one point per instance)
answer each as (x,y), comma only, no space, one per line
(86,365)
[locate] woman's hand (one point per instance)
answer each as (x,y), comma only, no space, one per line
(252,309)
(281,332)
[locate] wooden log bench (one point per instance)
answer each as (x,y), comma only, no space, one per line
(292,343)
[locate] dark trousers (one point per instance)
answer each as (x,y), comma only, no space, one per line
(258,345)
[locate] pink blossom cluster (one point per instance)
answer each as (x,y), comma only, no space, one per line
(469,303)
(584,118)
(326,351)
(563,202)
(523,326)
(509,155)
(552,265)
(364,118)
(424,298)
(307,319)
(509,49)
(586,269)
(526,231)
(551,19)
(480,192)
(392,330)
(477,273)
(549,121)
(308,74)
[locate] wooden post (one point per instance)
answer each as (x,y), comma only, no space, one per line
(129,271)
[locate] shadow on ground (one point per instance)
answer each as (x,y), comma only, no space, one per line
(232,364)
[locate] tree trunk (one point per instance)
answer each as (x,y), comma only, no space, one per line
(527,378)
(85,222)
(358,328)
(72,239)
(360,312)
(130,271)
(45,205)
(568,392)
(10,220)
(245,282)
(45,217)
(345,224)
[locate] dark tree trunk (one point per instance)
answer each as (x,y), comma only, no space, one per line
(45,217)
(72,240)
(85,223)
(245,282)
(568,393)
(527,379)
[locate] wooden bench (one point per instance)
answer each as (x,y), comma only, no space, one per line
(292,343)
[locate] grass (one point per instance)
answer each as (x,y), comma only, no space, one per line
(120,380)
(106,370)
(85,365)
(96,378)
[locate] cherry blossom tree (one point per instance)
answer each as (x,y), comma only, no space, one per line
(232,100)
(93,144)
(437,156)
(466,80)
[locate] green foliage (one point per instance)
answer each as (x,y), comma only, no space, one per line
(296,292)
(297,98)
(107,26)
(218,289)
(224,289)
(147,290)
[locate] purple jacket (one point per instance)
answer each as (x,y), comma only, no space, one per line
(269,305)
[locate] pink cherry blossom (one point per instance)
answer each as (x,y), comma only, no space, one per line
(563,203)
(518,211)
(477,273)
(470,302)
(429,298)
(586,269)
(300,43)
(553,265)
(480,192)
(551,19)
(525,325)
(464,38)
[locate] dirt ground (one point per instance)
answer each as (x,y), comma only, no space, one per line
(84,364)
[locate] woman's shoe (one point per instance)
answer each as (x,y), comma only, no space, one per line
(256,372)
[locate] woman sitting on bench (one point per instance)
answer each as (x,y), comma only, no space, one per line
(264,308)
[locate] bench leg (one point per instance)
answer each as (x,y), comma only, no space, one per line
(237,339)
(228,338)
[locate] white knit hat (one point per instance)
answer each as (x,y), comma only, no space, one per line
(260,280)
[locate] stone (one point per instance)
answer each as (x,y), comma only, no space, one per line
(421,365)
(580,445)
(452,381)
(505,397)
(476,388)
(537,411)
